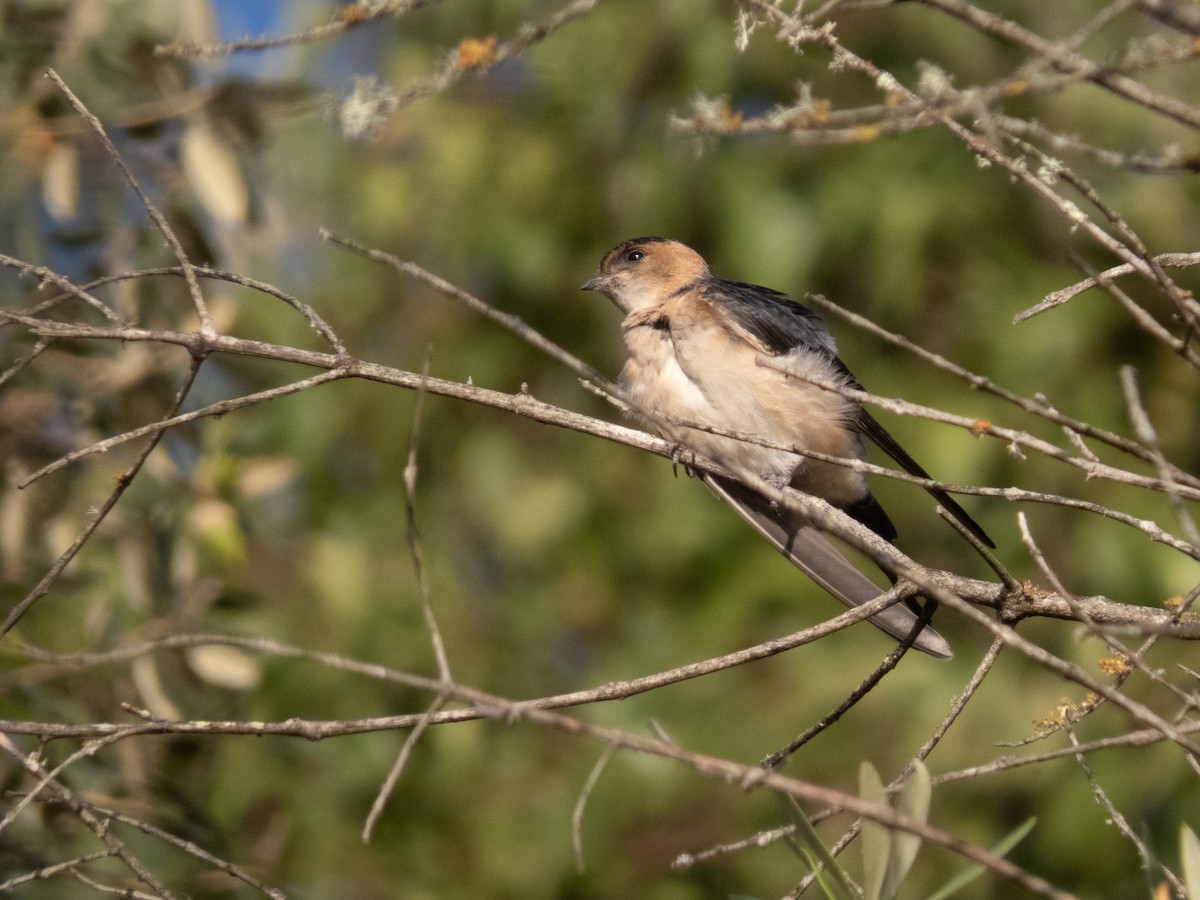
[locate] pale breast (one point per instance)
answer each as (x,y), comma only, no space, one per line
(697,371)
(655,380)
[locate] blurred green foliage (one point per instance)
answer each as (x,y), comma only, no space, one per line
(557,562)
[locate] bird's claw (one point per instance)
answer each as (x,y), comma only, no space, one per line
(677,452)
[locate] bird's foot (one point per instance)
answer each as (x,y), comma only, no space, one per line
(677,457)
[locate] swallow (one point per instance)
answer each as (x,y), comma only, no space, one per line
(694,344)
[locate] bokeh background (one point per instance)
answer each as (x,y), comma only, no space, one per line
(556,561)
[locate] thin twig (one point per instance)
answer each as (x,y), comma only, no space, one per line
(1063,59)
(749,777)
(398,766)
(318,324)
(69,289)
(431,625)
(96,824)
(88,750)
(47,872)
(458,67)
(1101,610)
(1117,820)
(505,320)
(978,427)
(189,847)
(1061,296)
(776,759)
(124,480)
(956,707)
(160,221)
(213,410)
(581,804)
(19,364)
(986,385)
(1144,737)
(414,535)
(345,18)
(1147,434)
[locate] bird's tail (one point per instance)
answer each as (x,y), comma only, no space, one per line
(811,552)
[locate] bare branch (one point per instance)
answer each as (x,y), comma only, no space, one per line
(776,759)
(346,17)
(124,479)
(160,221)
(213,410)
(581,804)
(508,321)
(1105,611)
(1062,58)
(1146,433)
(986,385)
(95,823)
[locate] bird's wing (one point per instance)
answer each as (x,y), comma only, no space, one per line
(811,552)
(779,325)
(774,321)
(888,444)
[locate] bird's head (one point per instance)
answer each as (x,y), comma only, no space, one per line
(645,271)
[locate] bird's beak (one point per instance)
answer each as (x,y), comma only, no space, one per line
(595,283)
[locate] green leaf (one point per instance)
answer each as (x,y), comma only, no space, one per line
(829,875)
(1006,843)
(1189,855)
(913,802)
(876,840)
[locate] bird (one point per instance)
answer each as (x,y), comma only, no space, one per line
(695,345)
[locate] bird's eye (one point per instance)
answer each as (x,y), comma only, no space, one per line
(635,255)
